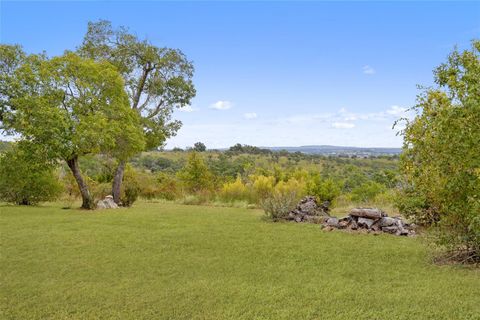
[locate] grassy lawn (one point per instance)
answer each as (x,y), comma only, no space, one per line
(166,261)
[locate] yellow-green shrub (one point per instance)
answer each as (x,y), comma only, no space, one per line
(235,190)
(261,187)
(295,188)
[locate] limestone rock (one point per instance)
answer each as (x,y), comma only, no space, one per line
(107,203)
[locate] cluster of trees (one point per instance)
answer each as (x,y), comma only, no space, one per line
(221,176)
(114,96)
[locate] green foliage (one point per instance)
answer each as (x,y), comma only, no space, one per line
(235,190)
(158,79)
(25,180)
(262,187)
(195,176)
(246,149)
(167,186)
(367,191)
(130,188)
(283,199)
(5,146)
(441,154)
(72,106)
(279,204)
(199,147)
(324,189)
(68,107)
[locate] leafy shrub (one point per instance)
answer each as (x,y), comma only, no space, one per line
(293,187)
(283,199)
(262,187)
(367,191)
(167,187)
(195,176)
(278,205)
(415,206)
(324,189)
(130,187)
(235,190)
(101,190)
(26,181)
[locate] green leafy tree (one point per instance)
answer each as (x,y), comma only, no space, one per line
(324,189)
(199,147)
(157,80)
(367,191)
(25,180)
(68,107)
(441,154)
(195,176)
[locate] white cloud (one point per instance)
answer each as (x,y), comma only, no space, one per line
(368,69)
(396,110)
(250,115)
(188,108)
(221,105)
(343,125)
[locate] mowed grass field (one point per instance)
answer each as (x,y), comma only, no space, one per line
(166,261)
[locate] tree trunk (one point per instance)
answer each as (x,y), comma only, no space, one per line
(87,199)
(117,182)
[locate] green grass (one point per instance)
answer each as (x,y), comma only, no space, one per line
(167,261)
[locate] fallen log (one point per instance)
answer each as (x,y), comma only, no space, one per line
(370,213)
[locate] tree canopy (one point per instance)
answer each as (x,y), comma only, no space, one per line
(441,158)
(68,106)
(157,80)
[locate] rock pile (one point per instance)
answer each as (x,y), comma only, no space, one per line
(107,203)
(308,210)
(371,220)
(359,219)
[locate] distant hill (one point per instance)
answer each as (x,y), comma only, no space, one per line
(338,150)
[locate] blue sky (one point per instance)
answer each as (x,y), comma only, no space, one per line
(276,73)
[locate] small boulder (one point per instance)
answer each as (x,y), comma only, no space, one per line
(332,222)
(107,203)
(365,223)
(387,222)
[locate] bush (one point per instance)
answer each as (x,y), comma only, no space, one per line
(278,205)
(195,176)
(283,199)
(101,190)
(262,187)
(130,187)
(324,189)
(167,187)
(293,187)
(415,206)
(367,191)
(26,181)
(235,190)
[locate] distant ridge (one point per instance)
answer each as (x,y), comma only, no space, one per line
(338,150)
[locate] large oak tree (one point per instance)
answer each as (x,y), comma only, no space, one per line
(157,80)
(67,107)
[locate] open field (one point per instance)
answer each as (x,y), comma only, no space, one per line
(166,261)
